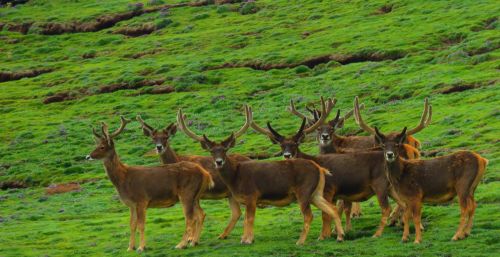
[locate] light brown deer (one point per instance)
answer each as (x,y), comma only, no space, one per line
(260,183)
(141,187)
(436,180)
(161,138)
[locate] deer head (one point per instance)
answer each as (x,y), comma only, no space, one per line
(391,144)
(290,145)
(160,137)
(105,145)
(327,129)
(218,150)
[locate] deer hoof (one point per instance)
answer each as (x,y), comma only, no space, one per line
(417,241)
(404,239)
(181,246)
(222,236)
(300,242)
(141,249)
(131,248)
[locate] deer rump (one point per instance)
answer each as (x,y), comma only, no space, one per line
(463,169)
(275,183)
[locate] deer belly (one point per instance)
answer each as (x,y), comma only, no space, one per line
(440,198)
(276,200)
(162,203)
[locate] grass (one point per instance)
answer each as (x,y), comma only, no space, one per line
(444,44)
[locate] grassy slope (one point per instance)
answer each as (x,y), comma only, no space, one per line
(45,144)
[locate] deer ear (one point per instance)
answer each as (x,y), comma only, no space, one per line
(229,142)
(339,124)
(147,132)
(402,136)
(206,143)
(171,129)
(379,137)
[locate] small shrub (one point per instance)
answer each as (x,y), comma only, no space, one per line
(248,8)
(155,2)
(135,6)
(222,9)
(163,23)
(302,69)
(201,16)
(315,17)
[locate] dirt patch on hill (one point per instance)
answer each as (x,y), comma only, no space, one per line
(460,87)
(72,95)
(143,53)
(9,76)
(102,22)
(12,184)
(142,30)
(62,188)
(312,62)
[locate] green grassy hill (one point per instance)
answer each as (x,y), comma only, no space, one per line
(66,65)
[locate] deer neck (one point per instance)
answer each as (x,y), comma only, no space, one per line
(168,156)
(228,171)
(328,148)
(115,169)
(395,170)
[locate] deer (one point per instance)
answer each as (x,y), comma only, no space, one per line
(436,180)
(331,142)
(260,183)
(140,188)
(161,139)
(356,176)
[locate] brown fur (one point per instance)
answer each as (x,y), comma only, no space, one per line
(436,180)
(161,138)
(162,186)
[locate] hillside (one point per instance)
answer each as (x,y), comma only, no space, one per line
(67,65)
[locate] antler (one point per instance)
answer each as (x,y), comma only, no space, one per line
(248,121)
(185,129)
(357,116)
(182,125)
(325,111)
(315,112)
(144,124)
(425,120)
(351,112)
(124,123)
(294,111)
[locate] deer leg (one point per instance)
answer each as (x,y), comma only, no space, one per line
(251,205)
(133,227)
(417,216)
(406,224)
(235,216)
(189,213)
(356,210)
(200,218)
(326,231)
(340,206)
(396,215)
(348,208)
(383,202)
(331,210)
(472,210)
(305,207)
(141,223)
(464,212)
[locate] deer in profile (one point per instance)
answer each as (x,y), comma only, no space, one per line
(356,176)
(260,183)
(436,180)
(141,187)
(161,139)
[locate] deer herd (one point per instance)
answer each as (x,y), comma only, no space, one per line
(348,169)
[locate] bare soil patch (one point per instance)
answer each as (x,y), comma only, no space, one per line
(62,188)
(9,76)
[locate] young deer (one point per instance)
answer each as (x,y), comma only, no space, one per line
(436,180)
(140,187)
(259,183)
(356,177)
(161,139)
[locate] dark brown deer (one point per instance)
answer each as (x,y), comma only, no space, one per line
(260,183)
(161,138)
(436,180)
(140,187)
(356,177)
